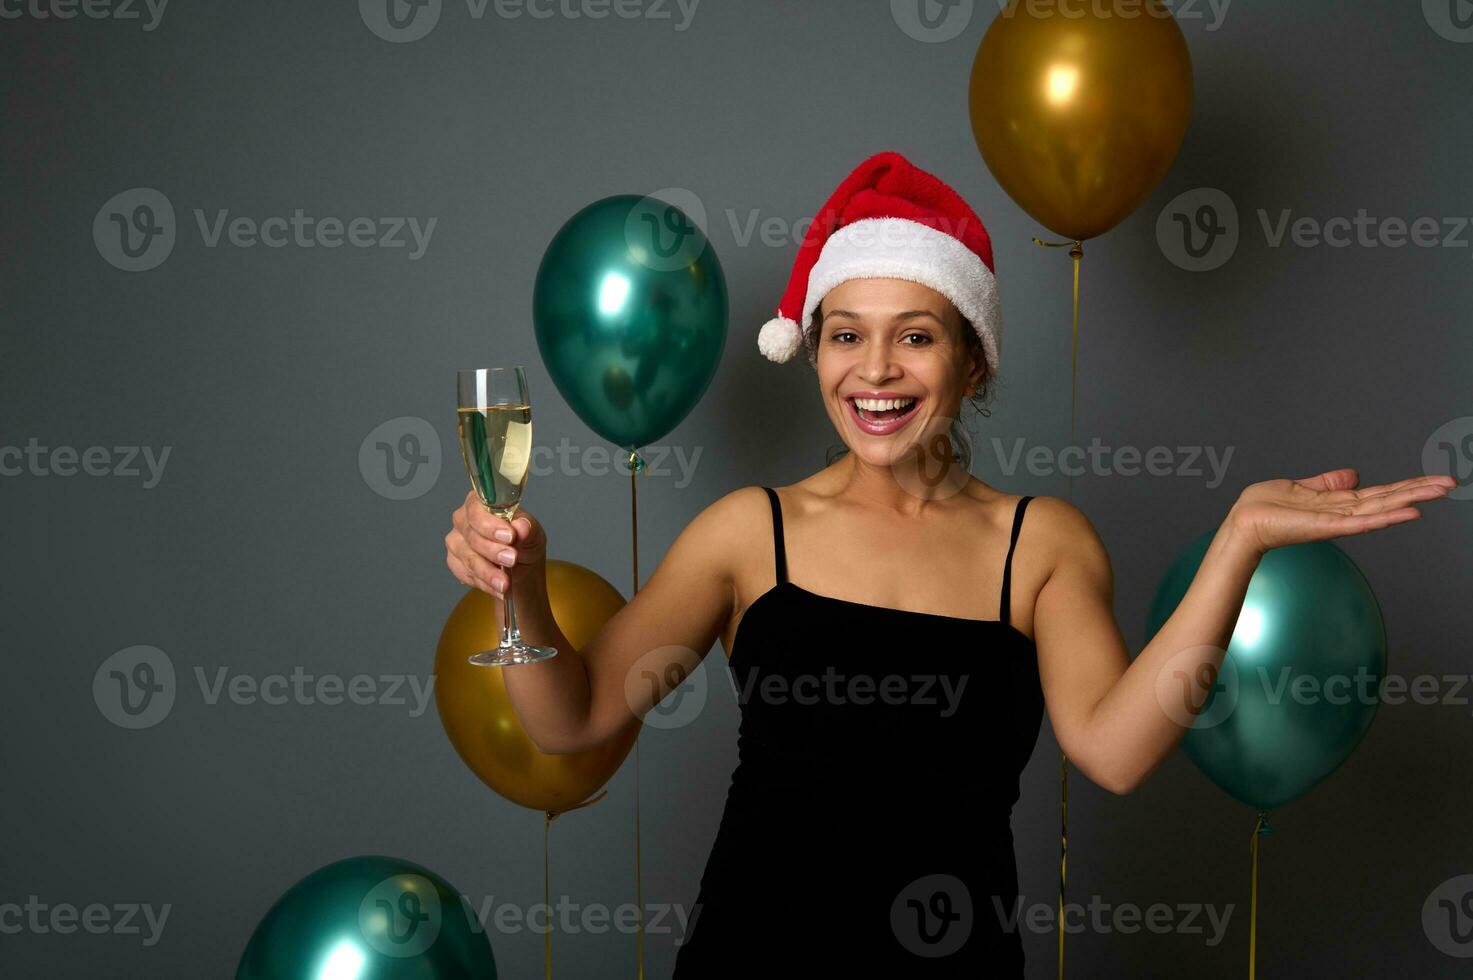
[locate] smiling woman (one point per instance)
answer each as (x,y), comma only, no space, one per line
(867,827)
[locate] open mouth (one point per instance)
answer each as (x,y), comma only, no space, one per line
(881,416)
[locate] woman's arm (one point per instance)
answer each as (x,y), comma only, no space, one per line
(1109,714)
(581,698)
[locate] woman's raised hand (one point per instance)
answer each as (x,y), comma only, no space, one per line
(491,554)
(1276,513)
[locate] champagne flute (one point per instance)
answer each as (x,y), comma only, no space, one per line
(494,417)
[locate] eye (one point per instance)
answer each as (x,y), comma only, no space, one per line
(839,335)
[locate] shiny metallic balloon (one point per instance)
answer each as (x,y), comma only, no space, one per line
(1079,107)
(479,718)
(630,313)
(370,917)
(1300,684)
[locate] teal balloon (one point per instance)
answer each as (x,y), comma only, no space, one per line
(1301,681)
(630,312)
(369,918)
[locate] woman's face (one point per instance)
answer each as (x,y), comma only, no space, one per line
(888,340)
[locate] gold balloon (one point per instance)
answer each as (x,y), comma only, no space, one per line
(1079,107)
(479,718)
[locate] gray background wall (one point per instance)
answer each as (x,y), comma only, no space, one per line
(264,548)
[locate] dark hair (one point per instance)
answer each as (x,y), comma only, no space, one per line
(971,340)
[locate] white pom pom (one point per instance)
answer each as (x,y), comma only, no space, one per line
(779,339)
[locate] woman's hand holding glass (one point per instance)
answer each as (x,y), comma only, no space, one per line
(488,553)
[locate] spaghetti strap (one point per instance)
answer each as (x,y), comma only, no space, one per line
(779,552)
(1007,569)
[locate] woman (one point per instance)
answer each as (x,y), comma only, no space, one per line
(891,621)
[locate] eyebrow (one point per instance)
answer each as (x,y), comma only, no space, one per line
(907,315)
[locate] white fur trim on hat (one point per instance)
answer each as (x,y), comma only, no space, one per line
(898,248)
(779,339)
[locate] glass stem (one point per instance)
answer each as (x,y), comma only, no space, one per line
(510,635)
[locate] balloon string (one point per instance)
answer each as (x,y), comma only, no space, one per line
(547,894)
(1259,828)
(548,817)
(1076,252)
(636,466)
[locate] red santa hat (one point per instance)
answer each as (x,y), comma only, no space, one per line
(890,219)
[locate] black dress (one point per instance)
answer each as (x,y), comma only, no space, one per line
(867,827)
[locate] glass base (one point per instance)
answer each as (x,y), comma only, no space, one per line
(515,652)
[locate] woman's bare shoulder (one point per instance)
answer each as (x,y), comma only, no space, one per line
(1058,516)
(1060,531)
(725,525)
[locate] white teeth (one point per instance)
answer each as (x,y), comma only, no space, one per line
(883,404)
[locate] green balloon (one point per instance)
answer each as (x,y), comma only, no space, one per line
(1301,680)
(630,313)
(369,918)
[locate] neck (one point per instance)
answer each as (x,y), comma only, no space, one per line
(924,474)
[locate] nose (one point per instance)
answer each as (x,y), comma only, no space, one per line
(879,364)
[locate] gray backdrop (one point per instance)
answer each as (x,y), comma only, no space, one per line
(273,540)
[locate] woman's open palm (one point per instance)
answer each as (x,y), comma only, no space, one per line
(1276,513)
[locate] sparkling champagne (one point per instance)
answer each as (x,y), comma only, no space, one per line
(496,444)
